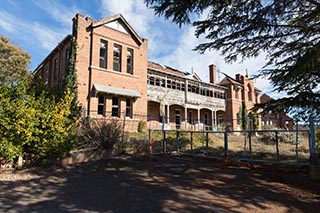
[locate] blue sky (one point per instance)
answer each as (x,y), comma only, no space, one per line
(38,25)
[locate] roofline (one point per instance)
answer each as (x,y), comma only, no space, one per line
(109,19)
(177,76)
(69,36)
(167,67)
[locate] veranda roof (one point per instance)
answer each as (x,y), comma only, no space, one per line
(115,90)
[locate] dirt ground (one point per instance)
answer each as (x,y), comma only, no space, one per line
(158,184)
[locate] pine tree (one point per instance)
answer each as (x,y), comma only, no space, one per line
(287,31)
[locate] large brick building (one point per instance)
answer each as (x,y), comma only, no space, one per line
(116,80)
(182,100)
(241,92)
(275,119)
(111,65)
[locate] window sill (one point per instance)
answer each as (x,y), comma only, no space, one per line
(114,72)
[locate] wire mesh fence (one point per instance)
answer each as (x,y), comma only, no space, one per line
(264,145)
(156,135)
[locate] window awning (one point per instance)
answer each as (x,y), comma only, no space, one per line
(115,90)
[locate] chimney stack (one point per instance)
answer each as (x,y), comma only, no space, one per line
(212,74)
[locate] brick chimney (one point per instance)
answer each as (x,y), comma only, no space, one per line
(240,78)
(212,74)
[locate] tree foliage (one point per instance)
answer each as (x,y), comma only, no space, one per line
(33,123)
(288,31)
(70,81)
(35,127)
(14,62)
(244,119)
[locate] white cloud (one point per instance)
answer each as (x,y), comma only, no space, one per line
(185,59)
(49,38)
(33,32)
(172,46)
(60,13)
(161,35)
(6,22)
(135,12)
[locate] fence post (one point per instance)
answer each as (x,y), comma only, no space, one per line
(164,143)
(277,144)
(207,142)
(150,142)
(164,148)
(250,147)
(177,141)
(225,144)
(312,138)
(297,141)
(191,141)
(123,127)
(314,166)
(245,144)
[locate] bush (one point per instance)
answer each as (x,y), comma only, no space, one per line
(270,136)
(142,126)
(34,126)
(100,133)
(318,141)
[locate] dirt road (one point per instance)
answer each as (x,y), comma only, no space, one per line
(157,184)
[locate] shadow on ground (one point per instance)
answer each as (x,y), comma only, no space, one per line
(157,184)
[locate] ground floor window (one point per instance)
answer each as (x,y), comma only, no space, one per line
(101,104)
(115,107)
(128,107)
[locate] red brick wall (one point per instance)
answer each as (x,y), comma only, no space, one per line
(107,76)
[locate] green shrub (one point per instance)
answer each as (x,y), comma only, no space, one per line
(318,141)
(34,126)
(142,126)
(270,136)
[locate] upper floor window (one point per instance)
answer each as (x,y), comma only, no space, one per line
(117,57)
(249,90)
(67,57)
(103,53)
(151,80)
(157,82)
(130,61)
(236,91)
(183,88)
(257,97)
(168,83)
(55,69)
(46,75)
